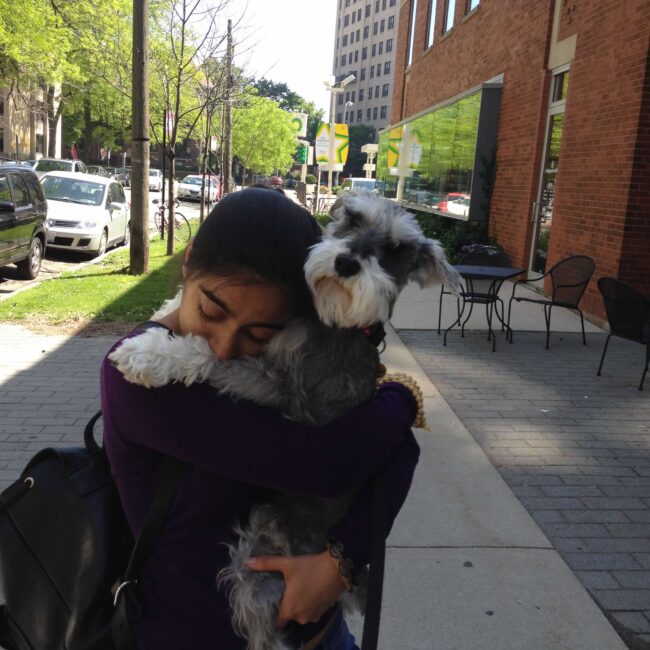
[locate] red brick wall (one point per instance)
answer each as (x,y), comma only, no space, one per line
(602,202)
(595,212)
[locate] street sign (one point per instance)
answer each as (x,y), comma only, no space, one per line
(341,143)
(301,155)
(299,123)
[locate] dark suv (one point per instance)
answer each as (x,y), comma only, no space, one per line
(23,210)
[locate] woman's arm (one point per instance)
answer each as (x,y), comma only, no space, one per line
(253,444)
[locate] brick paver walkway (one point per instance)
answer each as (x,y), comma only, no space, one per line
(575,449)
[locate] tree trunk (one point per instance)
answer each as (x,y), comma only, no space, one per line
(51,123)
(170,201)
(88,130)
(139,251)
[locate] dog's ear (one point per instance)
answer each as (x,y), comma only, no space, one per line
(432,266)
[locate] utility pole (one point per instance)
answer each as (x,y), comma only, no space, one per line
(139,251)
(227,151)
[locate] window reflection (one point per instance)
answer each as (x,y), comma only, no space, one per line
(433,155)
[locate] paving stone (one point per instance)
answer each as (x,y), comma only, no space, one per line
(595,516)
(633,579)
(600,562)
(636,622)
(597,579)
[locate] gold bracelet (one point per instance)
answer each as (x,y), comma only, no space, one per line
(408,382)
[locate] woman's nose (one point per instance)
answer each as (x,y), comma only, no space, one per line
(224,347)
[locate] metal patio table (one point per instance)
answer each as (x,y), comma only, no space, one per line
(496,276)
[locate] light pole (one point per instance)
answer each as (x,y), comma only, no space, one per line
(334,89)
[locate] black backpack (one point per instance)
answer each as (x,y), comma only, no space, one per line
(68,562)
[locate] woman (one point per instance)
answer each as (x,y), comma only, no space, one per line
(243,282)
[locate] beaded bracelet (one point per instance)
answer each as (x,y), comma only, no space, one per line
(344,564)
(408,382)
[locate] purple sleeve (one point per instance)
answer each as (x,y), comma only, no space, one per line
(396,477)
(253,444)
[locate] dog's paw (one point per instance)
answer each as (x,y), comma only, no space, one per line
(139,359)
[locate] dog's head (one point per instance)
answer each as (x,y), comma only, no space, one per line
(372,249)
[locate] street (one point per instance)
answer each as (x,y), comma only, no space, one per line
(59,261)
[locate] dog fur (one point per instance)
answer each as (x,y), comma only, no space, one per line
(313,371)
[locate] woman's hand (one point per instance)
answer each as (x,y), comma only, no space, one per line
(312,585)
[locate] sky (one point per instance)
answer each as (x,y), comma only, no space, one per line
(290,41)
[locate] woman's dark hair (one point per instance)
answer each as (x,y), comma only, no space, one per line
(257,233)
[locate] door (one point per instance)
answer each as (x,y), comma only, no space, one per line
(8,224)
(24,216)
(542,211)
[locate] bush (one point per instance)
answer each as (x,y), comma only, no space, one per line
(310,179)
(336,190)
(323,189)
(454,234)
(323,218)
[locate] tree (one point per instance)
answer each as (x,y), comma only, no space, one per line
(263,138)
(360,134)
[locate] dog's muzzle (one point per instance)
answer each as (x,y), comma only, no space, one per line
(346,266)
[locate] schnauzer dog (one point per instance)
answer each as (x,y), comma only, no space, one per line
(314,370)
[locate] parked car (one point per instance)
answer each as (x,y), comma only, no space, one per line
(455,203)
(45,165)
(85,213)
(97,170)
(123,176)
(23,210)
(190,188)
(290,183)
(354,184)
(155,180)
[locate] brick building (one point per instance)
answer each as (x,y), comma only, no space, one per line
(550,99)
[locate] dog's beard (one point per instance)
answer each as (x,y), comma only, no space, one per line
(356,301)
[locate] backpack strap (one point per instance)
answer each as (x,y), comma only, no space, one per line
(376,576)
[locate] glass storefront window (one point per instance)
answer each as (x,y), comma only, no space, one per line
(435,153)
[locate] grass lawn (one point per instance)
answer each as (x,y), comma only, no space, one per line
(100,298)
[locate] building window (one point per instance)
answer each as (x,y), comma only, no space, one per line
(374,49)
(560,86)
(347,3)
(375,27)
(363,72)
(384,90)
(366,31)
(344,59)
(392,3)
(364,56)
(382,113)
(386,67)
(2,106)
(359,14)
(391,22)
(379,69)
(352,95)
(337,42)
(450,9)
(381,47)
(345,40)
(374,113)
(347,97)
(356,55)
(351,116)
(382,26)
(389,45)
(367,10)
(383,5)
(340,98)
(346,20)
(370,92)
(372,71)
(359,115)
(368,114)
(339,117)
(472,4)
(376,92)
(376,5)
(354,17)
(431,29)
(358,35)
(361,93)
(409,54)
(351,38)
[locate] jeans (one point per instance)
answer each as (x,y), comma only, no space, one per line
(338,637)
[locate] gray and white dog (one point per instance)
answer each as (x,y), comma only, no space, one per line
(313,371)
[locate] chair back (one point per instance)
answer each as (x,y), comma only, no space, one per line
(491,257)
(570,278)
(628,310)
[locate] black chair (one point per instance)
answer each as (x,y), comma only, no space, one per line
(477,291)
(628,313)
(569,278)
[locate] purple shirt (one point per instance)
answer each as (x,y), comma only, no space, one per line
(233,450)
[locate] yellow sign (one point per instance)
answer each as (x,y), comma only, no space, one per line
(341,143)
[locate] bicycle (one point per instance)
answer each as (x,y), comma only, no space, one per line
(182,229)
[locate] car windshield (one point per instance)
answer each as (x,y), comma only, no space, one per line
(54,166)
(193,180)
(154,172)
(72,190)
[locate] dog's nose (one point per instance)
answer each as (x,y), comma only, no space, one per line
(346,265)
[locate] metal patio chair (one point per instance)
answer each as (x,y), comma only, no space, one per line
(628,313)
(569,278)
(476,291)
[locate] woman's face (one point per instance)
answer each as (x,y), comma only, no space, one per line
(238,318)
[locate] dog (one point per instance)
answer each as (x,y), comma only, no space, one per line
(316,369)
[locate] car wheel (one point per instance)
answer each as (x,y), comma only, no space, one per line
(127,235)
(101,249)
(29,267)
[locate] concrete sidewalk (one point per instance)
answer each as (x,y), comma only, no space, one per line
(468,568)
